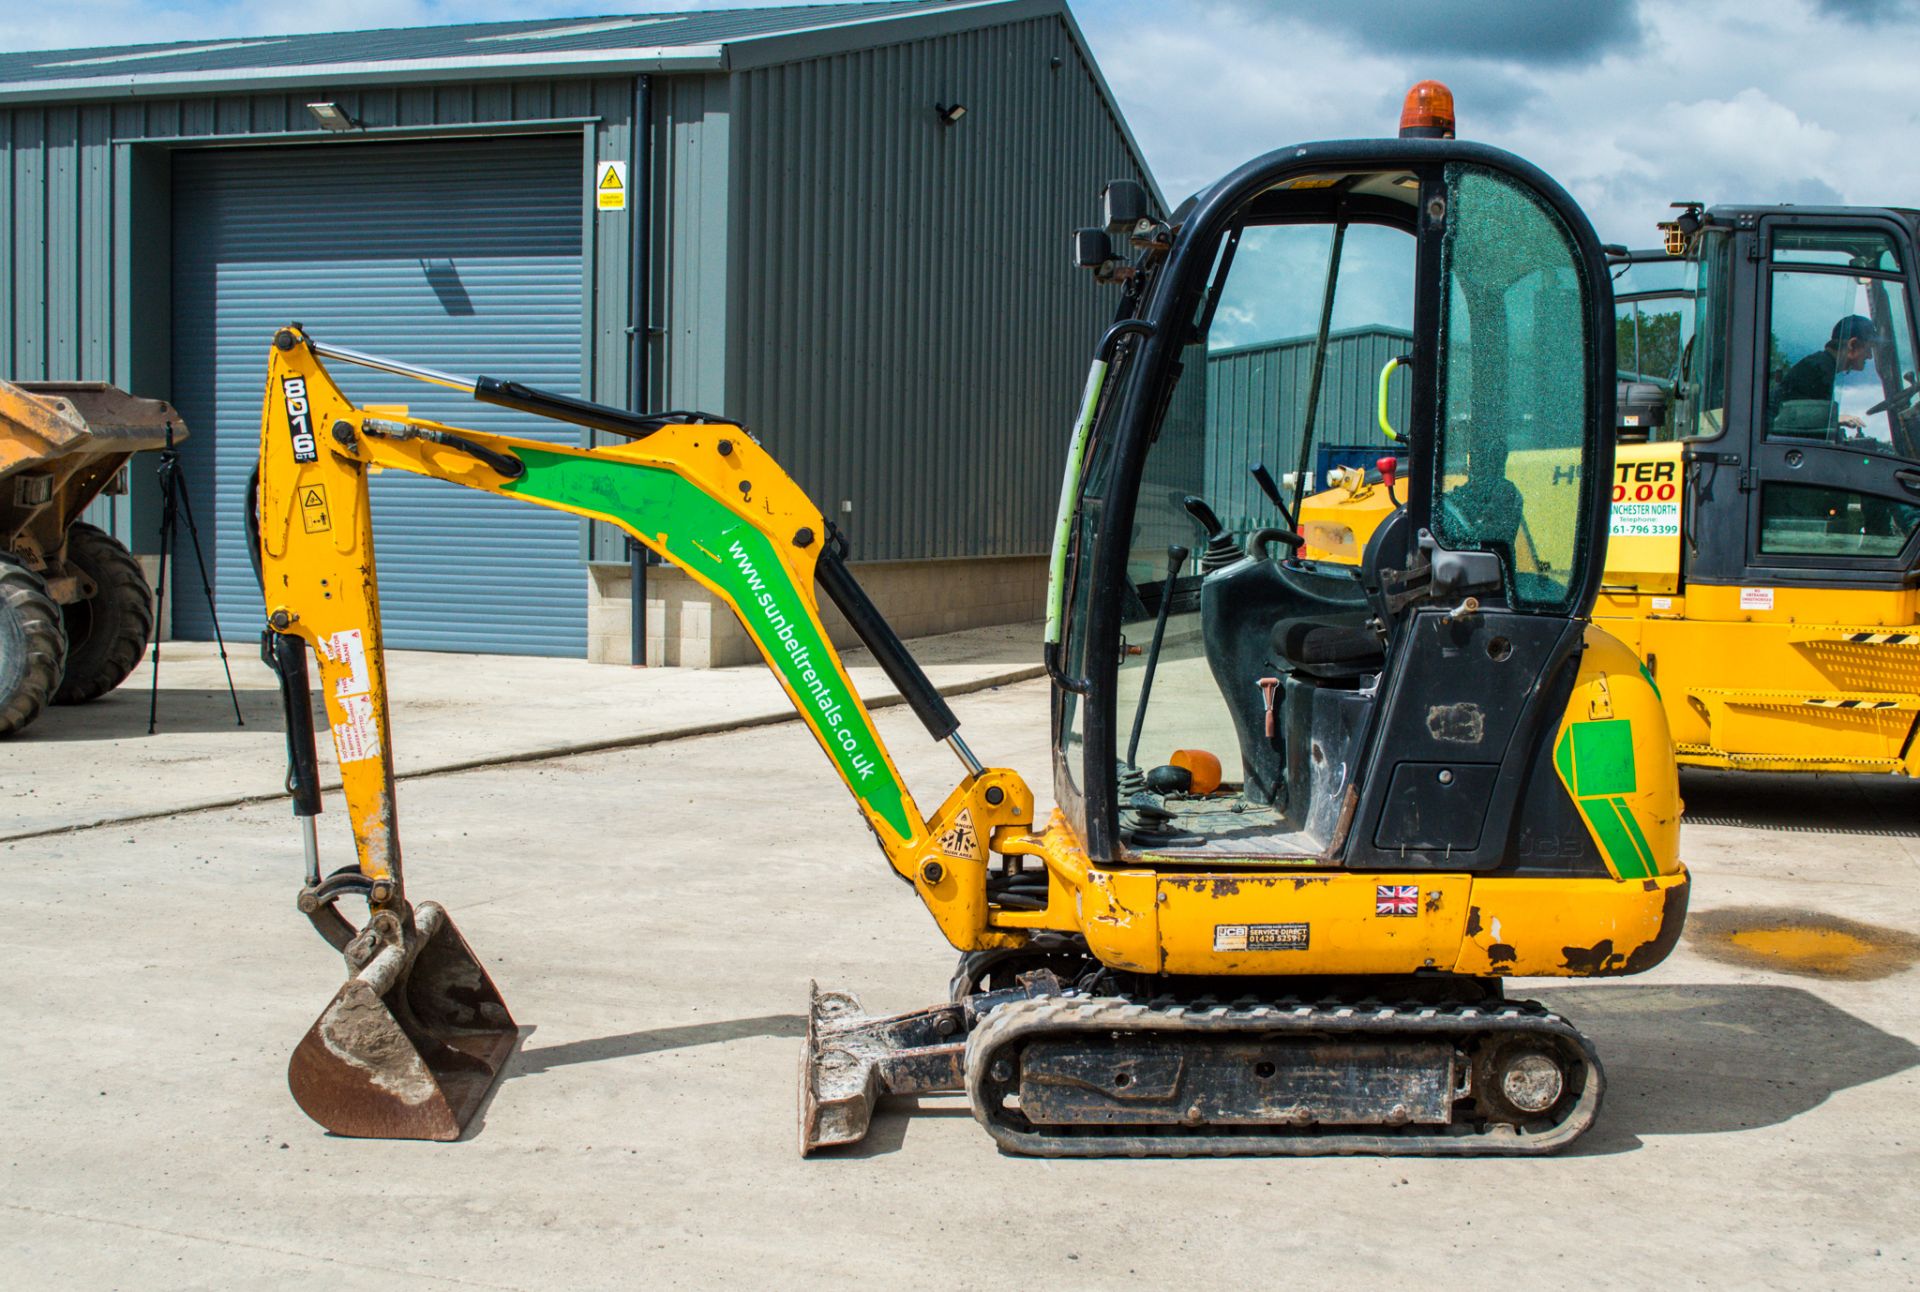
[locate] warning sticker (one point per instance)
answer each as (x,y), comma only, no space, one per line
(610,186)
(1756,598)
(960,840)
(348,648)
(1260,937)
(313,509)
(356,736)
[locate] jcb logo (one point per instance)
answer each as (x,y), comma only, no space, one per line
(300,420)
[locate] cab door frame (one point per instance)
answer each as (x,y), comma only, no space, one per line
(1811,462)
(1173,298)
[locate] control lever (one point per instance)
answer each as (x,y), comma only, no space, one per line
(1220,551)
(1389,472)
(1176,557)
(1268,685)
(1264,478)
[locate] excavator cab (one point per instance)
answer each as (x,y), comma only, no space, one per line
(1237,701)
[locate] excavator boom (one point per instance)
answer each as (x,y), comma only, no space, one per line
(705,496)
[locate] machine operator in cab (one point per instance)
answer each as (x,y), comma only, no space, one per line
(1849,349)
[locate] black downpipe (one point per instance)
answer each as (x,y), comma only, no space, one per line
(287,655)
(639,335)
(837,581)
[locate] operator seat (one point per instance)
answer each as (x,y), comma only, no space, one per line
(1342,648)
(1329,650)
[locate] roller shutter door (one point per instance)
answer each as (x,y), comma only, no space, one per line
(463,256)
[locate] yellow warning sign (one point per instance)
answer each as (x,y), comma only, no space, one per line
(961,840)
(313,509)
(610,185)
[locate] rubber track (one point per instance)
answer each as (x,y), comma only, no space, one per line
(1011,1025)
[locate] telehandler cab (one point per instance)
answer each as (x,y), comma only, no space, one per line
(1309,816)
(1765,552)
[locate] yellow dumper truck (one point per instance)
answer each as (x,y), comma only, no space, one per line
(75,609)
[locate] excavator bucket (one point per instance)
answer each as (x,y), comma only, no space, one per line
(410,1045)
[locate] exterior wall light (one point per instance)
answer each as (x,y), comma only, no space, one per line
(949,113)
(332,116)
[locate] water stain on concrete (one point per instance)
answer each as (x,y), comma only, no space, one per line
(1810,944)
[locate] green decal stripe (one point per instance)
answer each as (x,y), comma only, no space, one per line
(1613,838)
(1648,674)
(1632,823)
(1603,758)
(1563,759)
(703,537)
(1609,818)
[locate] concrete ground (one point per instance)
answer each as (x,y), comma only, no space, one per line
(449,711)
(653,914)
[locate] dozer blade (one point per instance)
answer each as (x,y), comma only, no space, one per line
(852,1058)
(410,1044)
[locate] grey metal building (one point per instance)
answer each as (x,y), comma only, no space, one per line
(1257,411)
(841,224)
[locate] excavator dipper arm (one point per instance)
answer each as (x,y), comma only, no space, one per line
(704,496)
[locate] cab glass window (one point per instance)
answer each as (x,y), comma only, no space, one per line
(1280,369)
(1815,520)
(1653,335)
(1242,401)
(1701,412)
(1515,397)
(1837,248)
(1840,358)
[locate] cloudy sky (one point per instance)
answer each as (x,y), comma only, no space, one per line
(1630,104)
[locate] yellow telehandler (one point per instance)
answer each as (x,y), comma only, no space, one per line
(1310,816)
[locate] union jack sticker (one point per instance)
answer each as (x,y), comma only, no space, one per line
(1396,899)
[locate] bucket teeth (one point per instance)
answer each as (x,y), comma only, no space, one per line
(410,1045)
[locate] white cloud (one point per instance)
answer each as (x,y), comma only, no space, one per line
(1722,100)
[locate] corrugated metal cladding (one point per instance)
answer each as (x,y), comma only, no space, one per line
(463,256)
(891,345)
(71,190)
(87,193)
(884,298)
(1257,403)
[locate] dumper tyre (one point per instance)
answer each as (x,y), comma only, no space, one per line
(108,632)
(33,646)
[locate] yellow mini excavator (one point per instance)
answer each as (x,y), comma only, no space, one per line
(1310,816)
